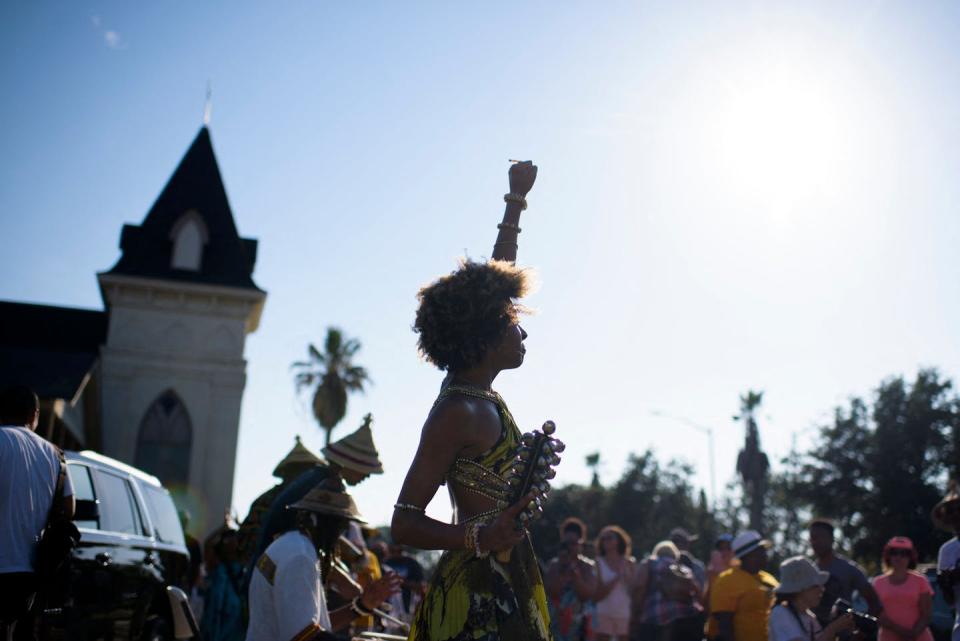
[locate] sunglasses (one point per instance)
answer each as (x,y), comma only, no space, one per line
(899,552)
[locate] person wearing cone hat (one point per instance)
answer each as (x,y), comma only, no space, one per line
(742,597)
(286,595)
(350,460)
(946,516)
(801,587)
(297,461)
(355,457)
(278,519)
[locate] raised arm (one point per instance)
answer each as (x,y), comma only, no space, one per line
(522,176)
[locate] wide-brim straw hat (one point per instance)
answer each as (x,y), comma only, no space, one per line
(938,514)
(322,500)
(799,573)
(356,451)
(298,455)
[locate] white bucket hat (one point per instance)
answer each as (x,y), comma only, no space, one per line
(799,573)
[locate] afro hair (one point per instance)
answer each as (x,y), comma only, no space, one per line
(465,313)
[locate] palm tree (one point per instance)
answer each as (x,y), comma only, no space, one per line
(752,463)
(593,462)
(331,375)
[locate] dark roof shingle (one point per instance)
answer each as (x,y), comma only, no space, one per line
(195,185)
(50,349)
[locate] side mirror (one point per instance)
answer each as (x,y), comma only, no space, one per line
(87,510)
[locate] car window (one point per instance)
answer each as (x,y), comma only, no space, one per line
(163,515)
(118,508)
(82,489)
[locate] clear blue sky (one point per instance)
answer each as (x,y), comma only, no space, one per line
(731,196)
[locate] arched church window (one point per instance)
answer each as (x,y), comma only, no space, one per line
(164,439)
(189,235)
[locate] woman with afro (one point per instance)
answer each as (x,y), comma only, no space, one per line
(468,322)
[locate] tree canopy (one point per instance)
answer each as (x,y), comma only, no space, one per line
(876,468)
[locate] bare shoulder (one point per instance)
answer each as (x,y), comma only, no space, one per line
(453,418)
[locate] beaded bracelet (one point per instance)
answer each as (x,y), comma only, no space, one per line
(517,198)
(476,527)
(515,228)
(471,540)
(409,507)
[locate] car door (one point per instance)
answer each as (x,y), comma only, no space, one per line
(122,519)
(87,600)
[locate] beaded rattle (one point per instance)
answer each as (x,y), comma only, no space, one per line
(536,458)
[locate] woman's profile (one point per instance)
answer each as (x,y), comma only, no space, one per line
(468,326)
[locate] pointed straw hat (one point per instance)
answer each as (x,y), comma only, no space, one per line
(356,451)
(939,512)
(326,499)
(298,455)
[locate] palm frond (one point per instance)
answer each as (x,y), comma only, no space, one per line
(332,376)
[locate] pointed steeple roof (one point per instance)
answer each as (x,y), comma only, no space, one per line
(195,191)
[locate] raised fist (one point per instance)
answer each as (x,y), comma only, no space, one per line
(522,176)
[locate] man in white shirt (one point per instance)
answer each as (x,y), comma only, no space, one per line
(29,470)
(946,516)
(286,596)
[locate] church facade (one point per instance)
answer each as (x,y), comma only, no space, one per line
(156,379)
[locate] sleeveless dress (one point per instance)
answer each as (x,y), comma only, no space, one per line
(612,611)
(469,598)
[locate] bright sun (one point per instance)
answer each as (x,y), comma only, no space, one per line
(780,136)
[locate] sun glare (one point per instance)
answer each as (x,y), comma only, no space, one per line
(781,137)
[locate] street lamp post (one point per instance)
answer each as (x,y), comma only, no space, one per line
(703,429)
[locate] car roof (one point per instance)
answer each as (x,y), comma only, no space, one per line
(89,456)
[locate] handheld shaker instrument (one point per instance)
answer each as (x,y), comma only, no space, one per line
(537,456)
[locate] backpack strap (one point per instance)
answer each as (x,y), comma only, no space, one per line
(56,508)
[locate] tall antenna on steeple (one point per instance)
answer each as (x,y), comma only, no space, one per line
(208,105)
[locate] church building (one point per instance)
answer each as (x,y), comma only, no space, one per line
(156,378)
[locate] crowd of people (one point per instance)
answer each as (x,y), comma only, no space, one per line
(670,595)
(303,566)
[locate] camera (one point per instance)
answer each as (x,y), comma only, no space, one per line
(865,624)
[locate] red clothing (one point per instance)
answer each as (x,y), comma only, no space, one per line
(902,603)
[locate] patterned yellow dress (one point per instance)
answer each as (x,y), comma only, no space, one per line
(470,598)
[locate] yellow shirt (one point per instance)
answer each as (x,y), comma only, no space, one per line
(749,597)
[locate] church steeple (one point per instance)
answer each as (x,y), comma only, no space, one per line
(181,302)
(189,234)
